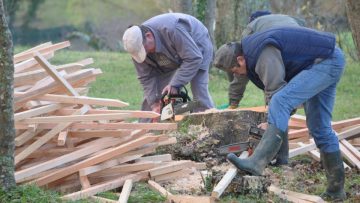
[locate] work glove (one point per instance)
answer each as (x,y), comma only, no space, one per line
(233,104)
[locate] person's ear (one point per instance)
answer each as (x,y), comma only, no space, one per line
(148,35)
(241,60)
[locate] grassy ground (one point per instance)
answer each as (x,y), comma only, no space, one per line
(119,81)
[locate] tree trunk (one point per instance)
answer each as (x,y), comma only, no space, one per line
(182,6)
(210,19)
(223,22)
(353,13)
(7,132)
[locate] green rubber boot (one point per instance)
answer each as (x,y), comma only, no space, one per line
(282,157)
(335,174)
(264,152)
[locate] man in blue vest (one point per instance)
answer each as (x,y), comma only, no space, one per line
(259,21)
(294,66)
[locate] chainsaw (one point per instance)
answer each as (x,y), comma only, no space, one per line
(176,104)
(255,135)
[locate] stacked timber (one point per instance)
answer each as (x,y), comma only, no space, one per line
(72,143)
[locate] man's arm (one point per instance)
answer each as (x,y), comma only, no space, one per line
(271,71)
(148,79)
(190,55)
(236,90)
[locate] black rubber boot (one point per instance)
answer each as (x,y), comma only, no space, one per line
(335,174)
(264,152)
(282,157)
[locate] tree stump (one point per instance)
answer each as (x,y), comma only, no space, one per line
(199,135)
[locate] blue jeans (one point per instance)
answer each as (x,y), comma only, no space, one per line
(315,87)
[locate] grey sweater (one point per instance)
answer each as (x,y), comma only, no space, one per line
(182,45)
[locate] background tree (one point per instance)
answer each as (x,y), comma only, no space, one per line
(210,17)
(353,13)
(7,132)
(11,7)
(182,6)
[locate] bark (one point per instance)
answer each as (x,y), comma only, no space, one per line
(210,19)
(223,22)
(7,132)
(200,135)
(353,13)
(182,6)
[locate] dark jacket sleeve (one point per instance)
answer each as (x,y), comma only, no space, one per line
(271,71)
(237,88)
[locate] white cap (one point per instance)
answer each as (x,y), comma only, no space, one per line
(133,43)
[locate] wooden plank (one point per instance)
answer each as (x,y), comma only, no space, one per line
(161,157)
(94,146)
(54,74)
(84,181)
(116,151)
(62,138)
(30,64)
(35,104)
(168,168)
(302,150)
(349,156)
(31,77)
(127,168)
(134,114)
(26,55)
(37,111)
(24,137)
(335,125)
(75,118)
(190,199)
(99,133)
(108,126)
(351,148)
(125,192)
(33,49)
(72,78)
(105,186)
(81,100)
(226,179)
(126,157)
(294,196)
(45,138)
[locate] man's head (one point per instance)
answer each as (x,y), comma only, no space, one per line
(139,41)
(257,14)
(230,58)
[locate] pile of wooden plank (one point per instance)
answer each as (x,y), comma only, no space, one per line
(300,142)
(72,143)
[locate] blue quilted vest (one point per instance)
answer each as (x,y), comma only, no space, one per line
(299,48)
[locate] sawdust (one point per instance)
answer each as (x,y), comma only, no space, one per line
(192,184)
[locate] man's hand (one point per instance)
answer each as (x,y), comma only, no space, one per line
(156,107)
(232,106)
(263,126)
(169,90)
